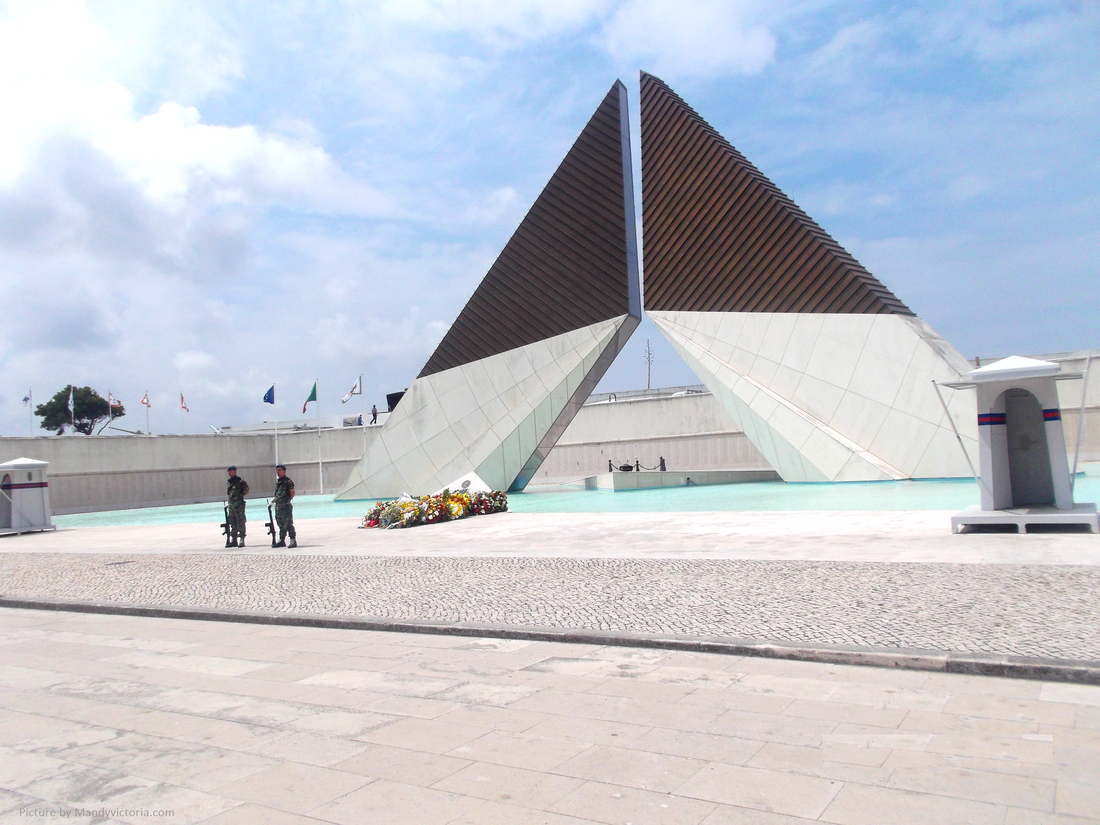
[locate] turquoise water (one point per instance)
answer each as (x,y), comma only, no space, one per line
(769,496)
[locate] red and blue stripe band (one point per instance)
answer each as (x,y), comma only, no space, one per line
(988,419)
(1052,415)
(34,485)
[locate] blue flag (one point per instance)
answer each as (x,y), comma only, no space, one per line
(269,396)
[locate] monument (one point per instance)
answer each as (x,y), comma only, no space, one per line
(535,338)
(826,370)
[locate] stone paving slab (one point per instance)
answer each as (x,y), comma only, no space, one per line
(1020,610)
(230,724)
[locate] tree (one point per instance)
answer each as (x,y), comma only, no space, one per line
(89,408)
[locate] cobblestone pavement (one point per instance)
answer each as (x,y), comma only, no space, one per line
(1047,610)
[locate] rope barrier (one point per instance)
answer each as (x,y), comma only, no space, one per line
(636,466)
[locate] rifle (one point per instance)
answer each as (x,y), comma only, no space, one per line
(270,524)
(225,524)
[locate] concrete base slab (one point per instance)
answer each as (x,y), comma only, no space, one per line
(650,480)
(1023,517)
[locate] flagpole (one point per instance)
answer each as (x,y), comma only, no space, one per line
(275,415)
(363,417)
(30,413)
(320,464)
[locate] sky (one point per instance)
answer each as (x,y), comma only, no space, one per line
(209,198)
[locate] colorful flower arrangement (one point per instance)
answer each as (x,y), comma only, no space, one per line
(446,506)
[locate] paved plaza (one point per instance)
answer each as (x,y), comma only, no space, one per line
(139,720)
(235,722)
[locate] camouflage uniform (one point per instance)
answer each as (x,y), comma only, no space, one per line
(235,491)
(284,510)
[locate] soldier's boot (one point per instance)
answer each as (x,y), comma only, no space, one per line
(292,542)
(281,542)
(232,543)
(242,541)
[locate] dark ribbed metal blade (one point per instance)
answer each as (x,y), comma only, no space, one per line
(718,236)
(573,260)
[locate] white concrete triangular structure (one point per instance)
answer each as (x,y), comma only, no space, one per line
(833,397)
(497,416)
(829,373)
(539,332)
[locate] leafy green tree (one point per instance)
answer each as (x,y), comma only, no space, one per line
(89,408)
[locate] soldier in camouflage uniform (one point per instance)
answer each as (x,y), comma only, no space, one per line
(235,491)
(284,510)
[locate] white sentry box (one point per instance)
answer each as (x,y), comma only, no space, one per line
(24,496)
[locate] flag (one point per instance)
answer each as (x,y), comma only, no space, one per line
(145,400)
(112,401)
(269,396)
(27,400)
(312,397)
(183,404)
(70,398)
(357,389)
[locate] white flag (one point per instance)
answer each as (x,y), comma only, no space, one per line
(112,401)
(145,400)
(70,398)
(183,404)
(357,389)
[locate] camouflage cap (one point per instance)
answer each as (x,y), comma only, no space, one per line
(280,466)
(232,467)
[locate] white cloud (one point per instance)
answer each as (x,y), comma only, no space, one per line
(194,361)
(693,37)
(504,22)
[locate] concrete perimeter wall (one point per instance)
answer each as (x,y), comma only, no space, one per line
(91,473)
(690,429)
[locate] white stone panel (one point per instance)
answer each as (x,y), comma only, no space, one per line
(877,377)
(458,403)
(858,469)
(859,417)
(753,332)
(440,449)
(833,361)
(479,417)
(803,339)
(819,398)
(777,337)
(891,337)
(852,394)
(786,381)
(446,381)
(824,453)
(764,370)
(519,365)
(852,330)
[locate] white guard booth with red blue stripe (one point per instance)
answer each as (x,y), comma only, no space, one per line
(1025,476)
(24,496)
